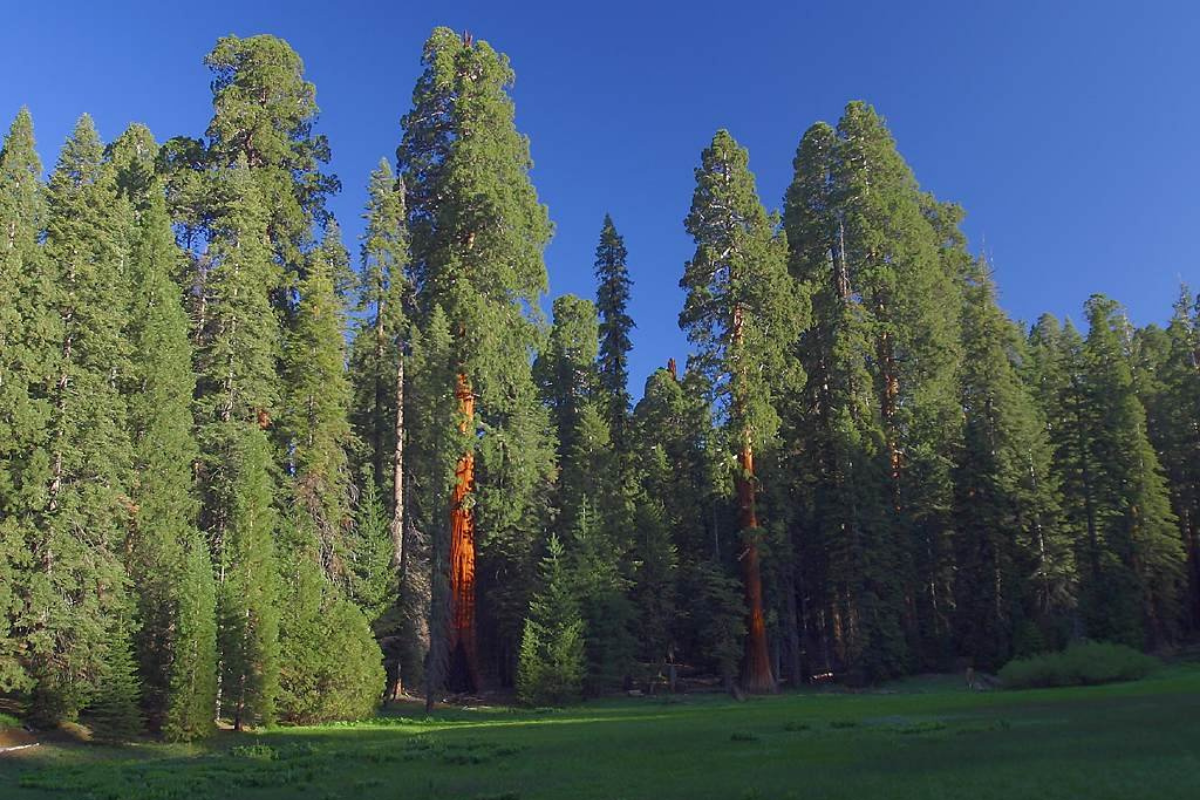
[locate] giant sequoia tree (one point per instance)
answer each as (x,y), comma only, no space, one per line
(742,311)
(478,232)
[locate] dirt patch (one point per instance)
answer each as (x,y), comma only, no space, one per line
(15,737)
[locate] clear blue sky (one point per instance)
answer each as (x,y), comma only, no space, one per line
(1070,134)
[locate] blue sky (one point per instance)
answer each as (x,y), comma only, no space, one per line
(1069,131)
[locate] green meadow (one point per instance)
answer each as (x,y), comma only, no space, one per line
(925,737)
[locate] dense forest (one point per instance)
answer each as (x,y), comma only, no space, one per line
(246,477)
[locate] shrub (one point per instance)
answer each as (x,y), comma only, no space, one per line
(1081,664)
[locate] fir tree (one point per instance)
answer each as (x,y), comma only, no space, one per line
(77,585)
(742,314)
(551,667)
(238,390)
(113,712)
(29,325)
(612,299)
(176,640)
(314,419)
(263,116)
(1169,386)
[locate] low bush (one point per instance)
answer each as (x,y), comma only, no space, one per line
(1081,664)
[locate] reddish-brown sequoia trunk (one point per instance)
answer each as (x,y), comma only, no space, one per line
(756,663)
(464,655)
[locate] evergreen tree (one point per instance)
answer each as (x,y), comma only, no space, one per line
(248,592)
(1014,567)
(612,298)
(1130,593)
(377,365)
(478,235)
(324,673)
(330,666)
(113,713)
(883,261)
(263,116)
(29,325)
(238,389)
(551,667)
(1169,386)
(77,584)
(314,420)
(175,644)
(742,312)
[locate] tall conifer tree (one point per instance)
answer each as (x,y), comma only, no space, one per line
(29,341)
(478,234)
(167,555)
(77,586)
(612,300)
(742,312)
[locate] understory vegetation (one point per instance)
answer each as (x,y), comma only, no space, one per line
(1080,664)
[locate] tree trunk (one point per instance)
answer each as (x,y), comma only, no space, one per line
(756,663)
(464,655)
(398,529)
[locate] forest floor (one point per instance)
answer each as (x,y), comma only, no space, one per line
(918,738)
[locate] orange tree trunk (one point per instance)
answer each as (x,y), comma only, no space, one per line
(756,662)
(464,655)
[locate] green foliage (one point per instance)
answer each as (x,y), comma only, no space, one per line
(27,331)
(612,300)
(1080,664)
(742,310)
(248,585)
(76,588)
(1013,562)
(551,667)
(330,666)
(715,601)
(113,713)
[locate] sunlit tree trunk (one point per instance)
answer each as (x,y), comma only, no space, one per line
(464,654)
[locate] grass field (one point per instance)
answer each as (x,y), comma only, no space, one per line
(920,738)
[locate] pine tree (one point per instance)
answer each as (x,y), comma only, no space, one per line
(551,667)
(434,446)
(175,643)
(377,367)
(742,312)
(330,666)
(29,325)
(77,584)
(478,235)
(248,592)
(612,299)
